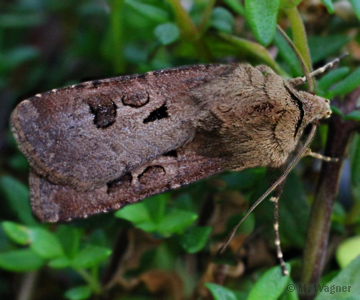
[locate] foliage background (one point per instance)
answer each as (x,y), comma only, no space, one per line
(165,246)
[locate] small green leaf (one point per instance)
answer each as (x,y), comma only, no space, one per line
(336,110)
(69,238)
(18,233)
(354,115)
(45,244)
(262,15)
(23,260)
(288,4)
(17,195)
(347,251)
(148,11)
(145,215)
(329,6)
(176,222)
(221,293)
(78,293)
(59,263)
(222,20)
(349,277)
(330,78)
(270,286)
(167,33)
(195,239)
(333,44)
(236,6)
(288,55)
(355,162)
(348,84)
(356,7)
(90,256)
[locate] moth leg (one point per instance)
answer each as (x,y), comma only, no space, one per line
(308,152)
(279,252)
(300,80)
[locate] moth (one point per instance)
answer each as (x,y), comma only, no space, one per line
(97,146)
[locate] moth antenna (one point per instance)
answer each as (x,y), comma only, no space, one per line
(300,58)
(279,252)
(271,188)
(327,67)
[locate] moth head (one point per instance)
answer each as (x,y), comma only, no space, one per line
(315,107)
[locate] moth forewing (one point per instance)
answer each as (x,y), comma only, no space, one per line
(99,145)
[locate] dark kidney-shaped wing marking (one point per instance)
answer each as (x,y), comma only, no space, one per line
(89,134)
(53,203)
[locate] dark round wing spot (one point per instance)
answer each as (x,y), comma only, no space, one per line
(136,99)
(151,174)
(124,182)
(104,111)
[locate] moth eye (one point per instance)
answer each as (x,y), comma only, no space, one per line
(157,114)
(119,183)
(150,174)
(327,101)
(104,112)
(136,99)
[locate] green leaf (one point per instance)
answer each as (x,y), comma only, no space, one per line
(45,244)
(176,222)
(333,44)
(148,11)
(78,293)
(167,33)
(336,110)
(355,162)
(236,6)
(90,256)
(21,20)
(349,277)
(15,57)
(356,7)
(221,293)
(288,4)
(348,250)
(288,55)
(222,20)
(330,78)
(69,238)
(354,115)
(271,285)
(262,15)
(348,84)
(147,214)
(59,263)
(329,6)
(17,195)
(18,233)
(195,239)
(23,260)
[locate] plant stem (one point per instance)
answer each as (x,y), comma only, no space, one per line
(189,30)
(340,134)
(93,283)
(206,16)
(299,35)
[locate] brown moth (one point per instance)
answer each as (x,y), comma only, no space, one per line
(97,146)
